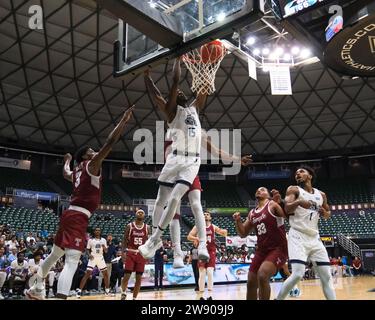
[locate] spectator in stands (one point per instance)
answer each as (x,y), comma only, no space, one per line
(4,263)
(18,273)
(159,258)
(32,245)
(248,258)
(13,255)
(12,243)
(50,241)
(44,233)
(2,243)
(108,257)
(29,238)
(21,246)
(357,266)
(20,234)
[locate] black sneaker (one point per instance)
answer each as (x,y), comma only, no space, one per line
(209,298)
(123,296)
(202,298)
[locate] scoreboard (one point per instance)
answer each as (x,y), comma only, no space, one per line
(289,8)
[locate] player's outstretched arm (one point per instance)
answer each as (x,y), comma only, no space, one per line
(200,101)
(67,173)
(243,229)
(171,105)
(96,162)
(154,92)
(206,141)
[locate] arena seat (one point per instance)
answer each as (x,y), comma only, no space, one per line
(221,194)
(140,188)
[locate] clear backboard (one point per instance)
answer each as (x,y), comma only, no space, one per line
(158,30)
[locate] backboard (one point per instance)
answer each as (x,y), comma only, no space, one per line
(153,31)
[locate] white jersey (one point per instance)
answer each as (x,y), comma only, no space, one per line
(95,245)
(306,220)
(185,130)
(19,269)
(33,266)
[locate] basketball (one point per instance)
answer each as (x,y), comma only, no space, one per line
(211,51)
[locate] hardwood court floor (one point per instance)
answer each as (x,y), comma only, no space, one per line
(353,288)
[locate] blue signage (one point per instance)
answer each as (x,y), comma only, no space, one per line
(46,196)
(271,174)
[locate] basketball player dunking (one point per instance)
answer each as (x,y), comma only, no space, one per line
(194,192)
(182,163)
(304,205)
(70,238)
(136,233)
(267,219)
(207,267)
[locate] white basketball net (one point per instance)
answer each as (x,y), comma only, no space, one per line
(204,73)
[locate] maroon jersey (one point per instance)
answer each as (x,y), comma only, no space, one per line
(270,229)
(137,236)
(210,233)
(86,188)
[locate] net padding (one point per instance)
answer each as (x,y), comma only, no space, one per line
(203,64)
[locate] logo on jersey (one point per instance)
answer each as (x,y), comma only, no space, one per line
(190,120)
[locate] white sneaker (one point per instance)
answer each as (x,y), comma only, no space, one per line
(78,293)
(202,252)
(148,249)
(35,294)
(178,261)
(1,297)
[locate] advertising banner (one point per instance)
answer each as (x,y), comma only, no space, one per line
(39,195)
(224,272)
(15,163)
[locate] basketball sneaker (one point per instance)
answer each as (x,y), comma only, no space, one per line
(295,293)
(78,293)
(203,252)
(178,261)
(35,294)
(148,249)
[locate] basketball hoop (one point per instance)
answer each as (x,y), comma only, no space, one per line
(203,64)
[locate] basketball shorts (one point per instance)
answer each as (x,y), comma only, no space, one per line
(72,230)
(303,248)
(196,185)
(98,261)
(179,169)
(211,263)
(135,262)
(277,256)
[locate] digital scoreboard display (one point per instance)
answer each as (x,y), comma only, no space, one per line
(290,8)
